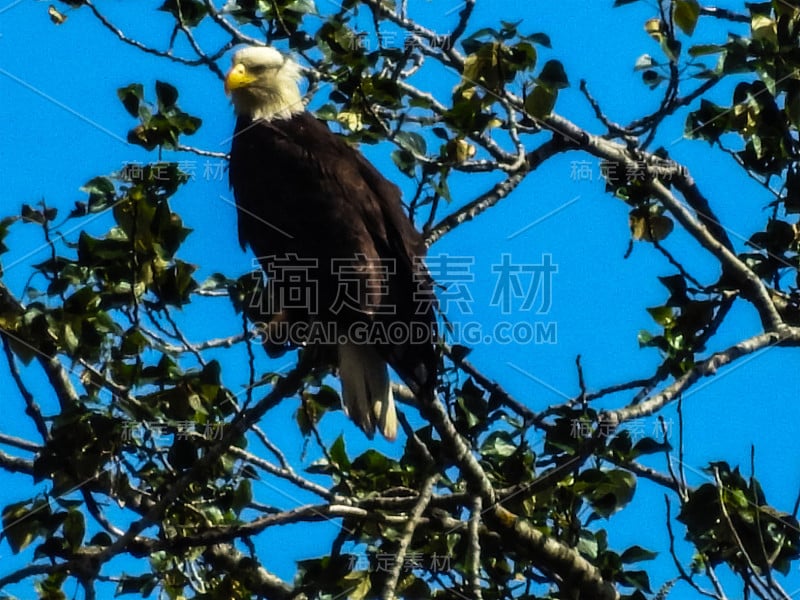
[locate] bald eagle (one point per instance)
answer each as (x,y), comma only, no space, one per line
(349,256)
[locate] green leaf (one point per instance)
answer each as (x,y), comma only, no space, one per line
(302,7)
(705,49)
(327,112)
(649,225)
(471,404)
(74,529)
(186,123)
(652,78)
(71,341)
(638,580)
(101,193)
(499,444)
(31,215)
(131,97)
(405,161)
(637,554)
(339,454)
(792,102)
(553,76)
(685,13)
(412,142)
(663,315)
(709,122)
(482,67)
(522,57)
(188,12)
(101,539)
(474,41)
(459,352)
(676,285)
(372,462)
(764,29)
(242,496)
(541,101)
(609,491)
(358,585)
(133,342)
(167,95)
(539,38)
(671,47)
(141,585)
(22,523)
(587,544)
(650,446)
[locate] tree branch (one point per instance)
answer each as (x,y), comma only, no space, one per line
(755,289)
(474,552)
(228,559)
(14,464)
(284,473)
(424,498)
(495,194)
(787,336)
(203,60)
(31,407)
(283,388)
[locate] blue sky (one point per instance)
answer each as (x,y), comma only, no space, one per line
(63,125)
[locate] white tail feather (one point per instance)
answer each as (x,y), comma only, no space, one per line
(366,389)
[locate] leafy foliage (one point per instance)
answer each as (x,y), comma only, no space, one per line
(149,453)
(726,518)
(162,128)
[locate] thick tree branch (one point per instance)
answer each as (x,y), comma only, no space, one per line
(29,571)
(259,581)
(10,440)
(708,367)
(754,288)
(550,554)
(14,464)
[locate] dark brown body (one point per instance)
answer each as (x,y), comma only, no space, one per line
(305,195)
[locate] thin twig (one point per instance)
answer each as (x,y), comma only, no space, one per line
(284,473)
(721,489)
(31,407)
(723,13)
(139,45)
(201,152)
(684,575)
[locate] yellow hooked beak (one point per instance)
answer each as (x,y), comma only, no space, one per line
(237,77)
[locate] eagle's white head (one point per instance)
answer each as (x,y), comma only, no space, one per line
(264,84)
